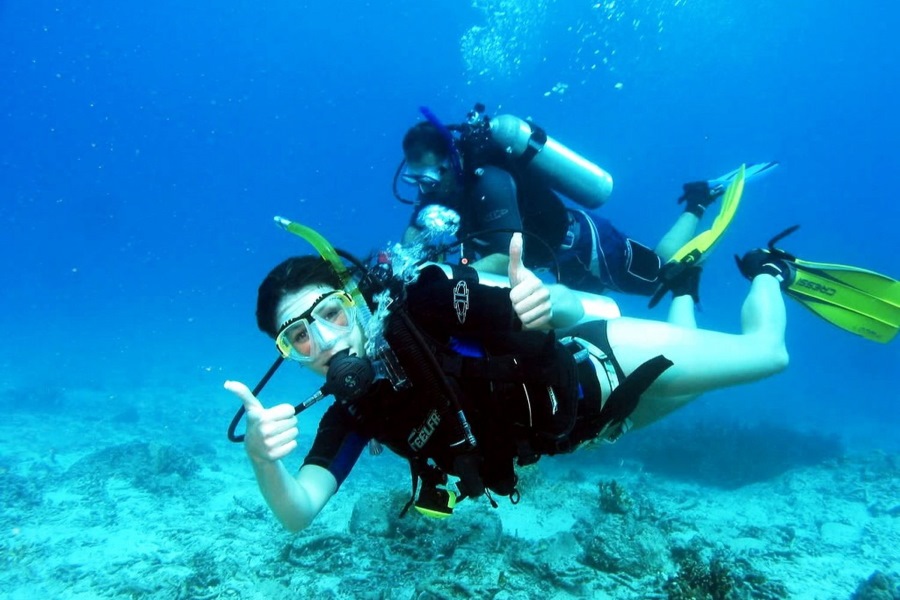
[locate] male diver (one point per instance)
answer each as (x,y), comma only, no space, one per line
(501,174)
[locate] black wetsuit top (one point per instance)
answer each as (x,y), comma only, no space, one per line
(591,254)
(551,404)
(494,198)
(494,409)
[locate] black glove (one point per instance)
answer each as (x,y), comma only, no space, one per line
(762,261)
(698,196)
(682,279)
(687,283)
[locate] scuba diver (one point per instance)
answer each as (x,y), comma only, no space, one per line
(467,381)
(496,175)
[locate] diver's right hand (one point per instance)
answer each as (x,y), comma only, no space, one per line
(529,295)
(271,432)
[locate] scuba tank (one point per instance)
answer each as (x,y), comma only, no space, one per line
(567,172)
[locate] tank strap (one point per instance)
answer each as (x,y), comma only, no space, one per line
(624,399)
(593,361)
(536,142)
(607,419)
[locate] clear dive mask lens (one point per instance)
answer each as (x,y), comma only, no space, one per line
(426,180)
(331,317)
(416,179)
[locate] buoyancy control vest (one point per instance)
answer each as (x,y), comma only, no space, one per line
(471,416)
(520,399)
(484,396)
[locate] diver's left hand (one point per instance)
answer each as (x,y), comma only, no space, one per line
(529,295)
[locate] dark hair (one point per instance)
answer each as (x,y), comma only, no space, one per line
(424,138)
(290,276)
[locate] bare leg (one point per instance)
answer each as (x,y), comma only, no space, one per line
(682,231)
(681,312)
(704,360)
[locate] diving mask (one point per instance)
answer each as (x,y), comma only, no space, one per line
(427,179)
(330,318)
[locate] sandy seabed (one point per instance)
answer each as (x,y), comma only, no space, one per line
(134,506)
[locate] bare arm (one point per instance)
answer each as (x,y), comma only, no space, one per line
(294,500)
(567,308)
(498,264)
(271,435)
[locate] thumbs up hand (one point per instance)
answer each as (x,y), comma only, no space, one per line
(529,295)
(271,432)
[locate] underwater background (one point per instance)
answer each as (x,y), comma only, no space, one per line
(147,146)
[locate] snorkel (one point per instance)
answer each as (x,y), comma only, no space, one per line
(348,376)
(452,150)
(326,251)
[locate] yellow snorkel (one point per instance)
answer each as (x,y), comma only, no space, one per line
(327,251)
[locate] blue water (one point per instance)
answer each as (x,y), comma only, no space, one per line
(147,146)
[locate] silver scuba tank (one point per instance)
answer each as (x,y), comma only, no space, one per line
(567,172)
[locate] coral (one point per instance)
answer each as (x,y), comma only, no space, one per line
(728,456)
(622,546)
(458,557)
(323,554)
(17,492)
(552,562)
(719,578)
(700,580)
(413,533)
(210,577)
(614,498)
(879,586)
(152,467)
(170,460)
